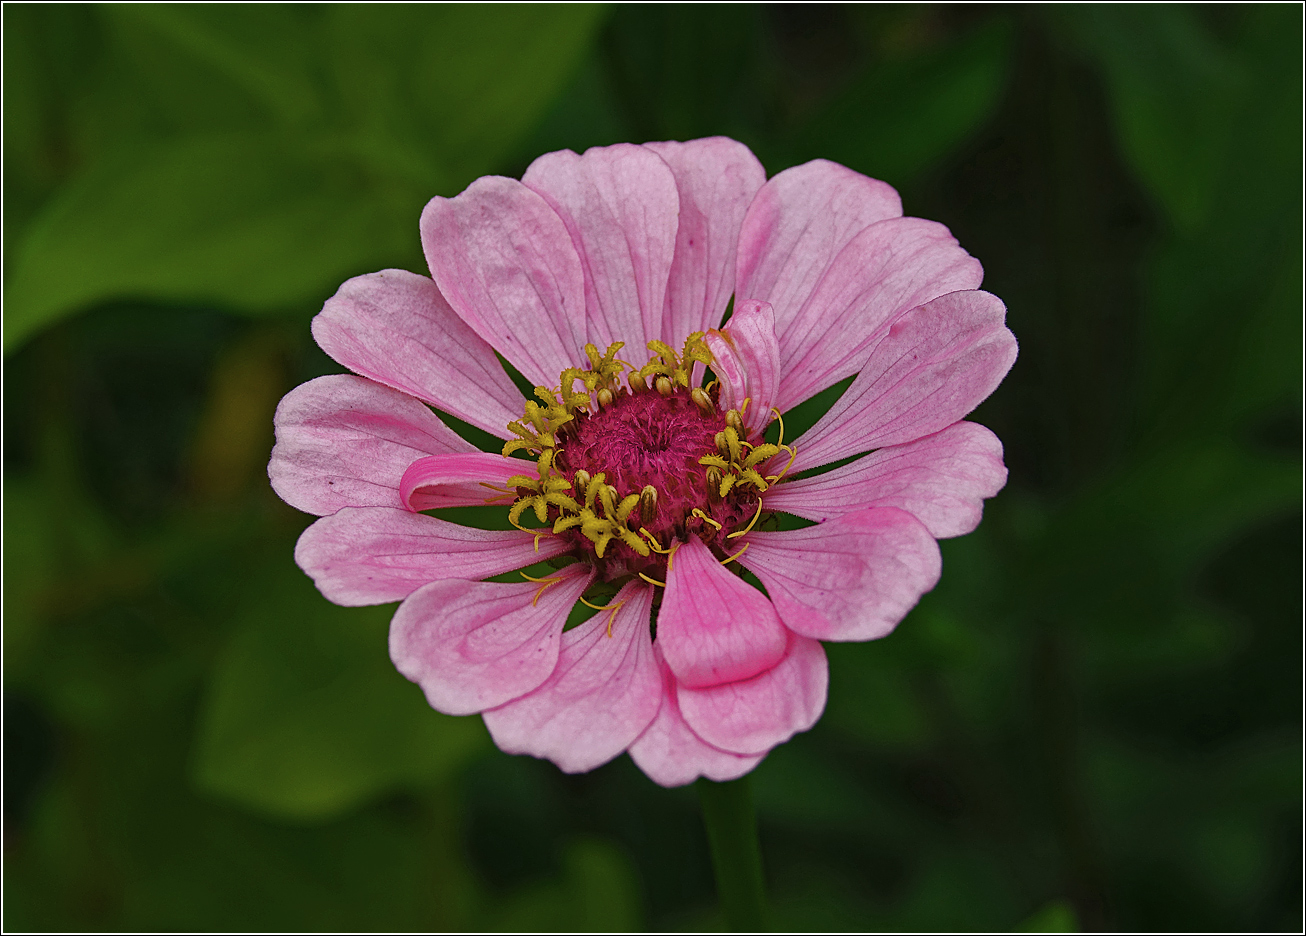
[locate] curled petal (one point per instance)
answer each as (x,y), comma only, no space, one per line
(934,365)
(888,268)
(747,361)
(717,179)
(941,480)
(475,645)
(344,441)
(796,226)
(395,327)
(620,206)
(457,480)
(853,578)
(602,694)
(371,555)
(754,715)
(672,755)
(503,259)
(713,626)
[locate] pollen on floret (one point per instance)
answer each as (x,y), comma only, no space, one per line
(630,462)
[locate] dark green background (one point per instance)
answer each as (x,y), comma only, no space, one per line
(1094,721)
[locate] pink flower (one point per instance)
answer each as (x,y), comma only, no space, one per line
(647,490)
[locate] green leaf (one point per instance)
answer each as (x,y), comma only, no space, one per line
(306,717)
(240,219)
(904,115)
(458,83)
(1174,91)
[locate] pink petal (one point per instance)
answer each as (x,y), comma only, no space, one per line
(714,627)
(748,361)
(797,225)
(888,268)
(459,480)
(371,555)
(853,578)
(474,645)
(619,204)
(753,716)
(504,261)
(935,364)
(344,441)
(942,480)
(672,755)
(395,327)
(717,179)
(603,693)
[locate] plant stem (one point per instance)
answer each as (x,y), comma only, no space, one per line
(736,858)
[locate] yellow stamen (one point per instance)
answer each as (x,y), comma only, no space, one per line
(781,420)
(698,512)
(793,453)
(606,607)
(750,522)
(736,555)
(654,544)
(652,580)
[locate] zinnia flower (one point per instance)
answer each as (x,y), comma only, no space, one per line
(604,280)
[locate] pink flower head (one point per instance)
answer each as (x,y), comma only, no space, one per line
(603,279)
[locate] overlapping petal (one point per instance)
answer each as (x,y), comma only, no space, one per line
(888,268)
(475,645)
(345,441)
(748,361)
(371,555)
(463,480)
(942,480)
(713,626)
(395,327)
(797,224)
(754,715)
(717,179)
(603,693)
(672,755)
(620,206)
(504,260)
(852,578)
(934,365)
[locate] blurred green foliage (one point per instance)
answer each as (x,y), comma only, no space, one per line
(1093,722)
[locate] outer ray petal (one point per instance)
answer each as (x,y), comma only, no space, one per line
(371,555)
(713,626)
(601,696)
(888,268)
(942,480)
(753,716)
(672,755)
(458,480)
(395,327)
(853,578)
(344,441)
(503,259)
(797,225)
(475,645)
(620,206)
(934,365)
(748,361)
(717,179)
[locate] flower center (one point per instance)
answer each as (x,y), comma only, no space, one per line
(626,469)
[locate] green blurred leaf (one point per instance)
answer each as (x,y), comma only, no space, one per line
(192,60)
(1056,917)
(453,85)
(243,220)
(598,892)
(306,716)
(904,115)
(1174,90)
